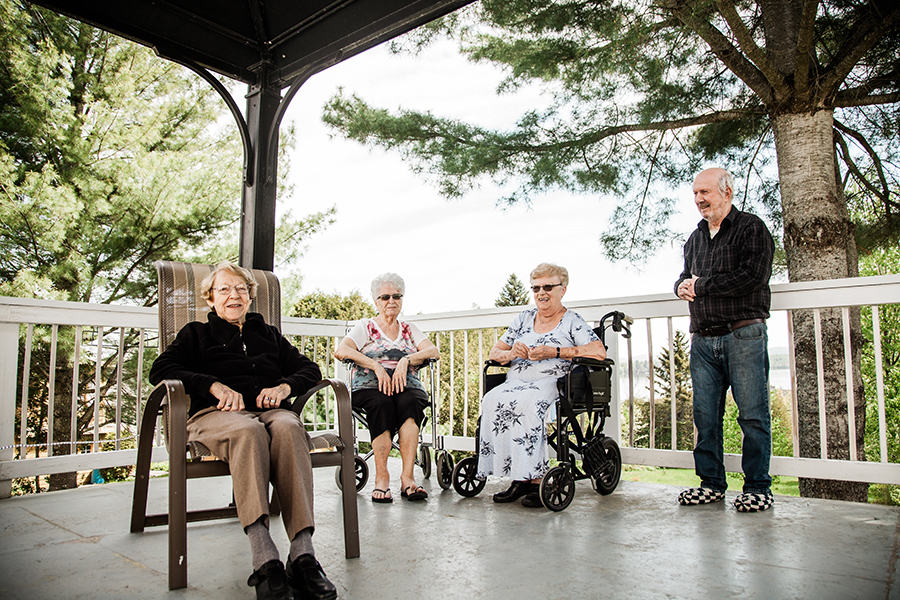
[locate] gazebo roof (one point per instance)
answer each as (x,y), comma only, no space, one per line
(237,37)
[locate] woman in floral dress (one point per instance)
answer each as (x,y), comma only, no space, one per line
(538,345)
(385,352)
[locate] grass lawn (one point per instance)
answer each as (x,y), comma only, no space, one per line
(784,486)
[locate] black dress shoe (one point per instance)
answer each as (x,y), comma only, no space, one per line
(307,579)
(270,582)
(533,498)
(515,491)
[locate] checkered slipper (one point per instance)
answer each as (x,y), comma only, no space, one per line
(754,501)
(700,495)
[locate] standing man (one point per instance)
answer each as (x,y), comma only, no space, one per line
(727,264)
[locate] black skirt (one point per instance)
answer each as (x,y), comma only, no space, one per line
(388,413)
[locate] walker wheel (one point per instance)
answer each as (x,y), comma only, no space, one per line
(464,481)
(609,477)
(362,474)
(425,461)
(557,489)
(444,462)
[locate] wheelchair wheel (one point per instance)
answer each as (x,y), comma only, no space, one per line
(362,474)
(557,489)
(609,477)
(444,462)
(425,461)
(464,481)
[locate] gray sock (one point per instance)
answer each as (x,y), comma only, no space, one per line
(262,547)
(301,544)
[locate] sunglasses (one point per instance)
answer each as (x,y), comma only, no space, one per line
(547,288)
(386,297)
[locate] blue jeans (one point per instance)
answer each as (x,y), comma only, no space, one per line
(740,360)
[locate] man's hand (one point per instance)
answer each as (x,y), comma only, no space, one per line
(686,289)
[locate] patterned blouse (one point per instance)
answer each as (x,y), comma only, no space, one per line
(375,344)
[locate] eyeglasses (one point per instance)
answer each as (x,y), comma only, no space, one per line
(548,287)
(386,297)
(225,290)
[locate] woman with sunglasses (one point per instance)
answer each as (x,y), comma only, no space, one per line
(538,346)
(385,385)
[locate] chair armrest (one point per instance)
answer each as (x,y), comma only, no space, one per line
(300,401)
(592,362)
(342,401)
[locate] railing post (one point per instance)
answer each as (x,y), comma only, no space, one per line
(9,359)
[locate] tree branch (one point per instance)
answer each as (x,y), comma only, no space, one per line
(884,194)
(848,99)
(724,50)
(805,42)
(868,32)
(754,53)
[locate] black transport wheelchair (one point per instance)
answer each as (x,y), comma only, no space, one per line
(423,454)
(582,449)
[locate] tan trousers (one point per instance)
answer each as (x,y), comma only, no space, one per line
(259,448)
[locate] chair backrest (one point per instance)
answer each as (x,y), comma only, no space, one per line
(180,301)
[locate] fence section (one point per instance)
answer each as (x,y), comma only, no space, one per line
(73,379)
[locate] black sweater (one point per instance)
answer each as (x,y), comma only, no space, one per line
(246,360)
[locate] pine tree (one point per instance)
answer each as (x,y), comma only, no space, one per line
(514,293)
(684,396)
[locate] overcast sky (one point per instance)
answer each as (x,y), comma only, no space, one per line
(456,254)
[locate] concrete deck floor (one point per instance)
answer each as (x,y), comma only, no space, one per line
(635,543)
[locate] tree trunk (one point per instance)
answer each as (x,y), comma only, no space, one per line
(62,427)
(819,242)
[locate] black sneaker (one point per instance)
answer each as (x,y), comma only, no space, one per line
(270,582)
(308,581)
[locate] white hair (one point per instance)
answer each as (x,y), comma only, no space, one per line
(391,279)
(725,182)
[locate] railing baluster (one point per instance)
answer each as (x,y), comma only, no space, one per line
(630,393)
(452,379)
(51,405)
(848,374)
(795,404)
(97,387)
(139,385)
(23,419)
(76,374)
(651,383)
(820,372)
(465,383)
(120,361)
(879,385)
(672,390)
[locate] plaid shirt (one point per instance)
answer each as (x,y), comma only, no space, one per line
(733,269)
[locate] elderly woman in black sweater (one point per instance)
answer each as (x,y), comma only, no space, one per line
(240,373)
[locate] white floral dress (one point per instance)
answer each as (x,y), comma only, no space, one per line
(513,441)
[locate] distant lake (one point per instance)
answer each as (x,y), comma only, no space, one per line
(778,378)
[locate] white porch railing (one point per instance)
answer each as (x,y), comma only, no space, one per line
(109,348)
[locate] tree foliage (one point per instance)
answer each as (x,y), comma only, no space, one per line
(319,305)
(514,293)
(643,92)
